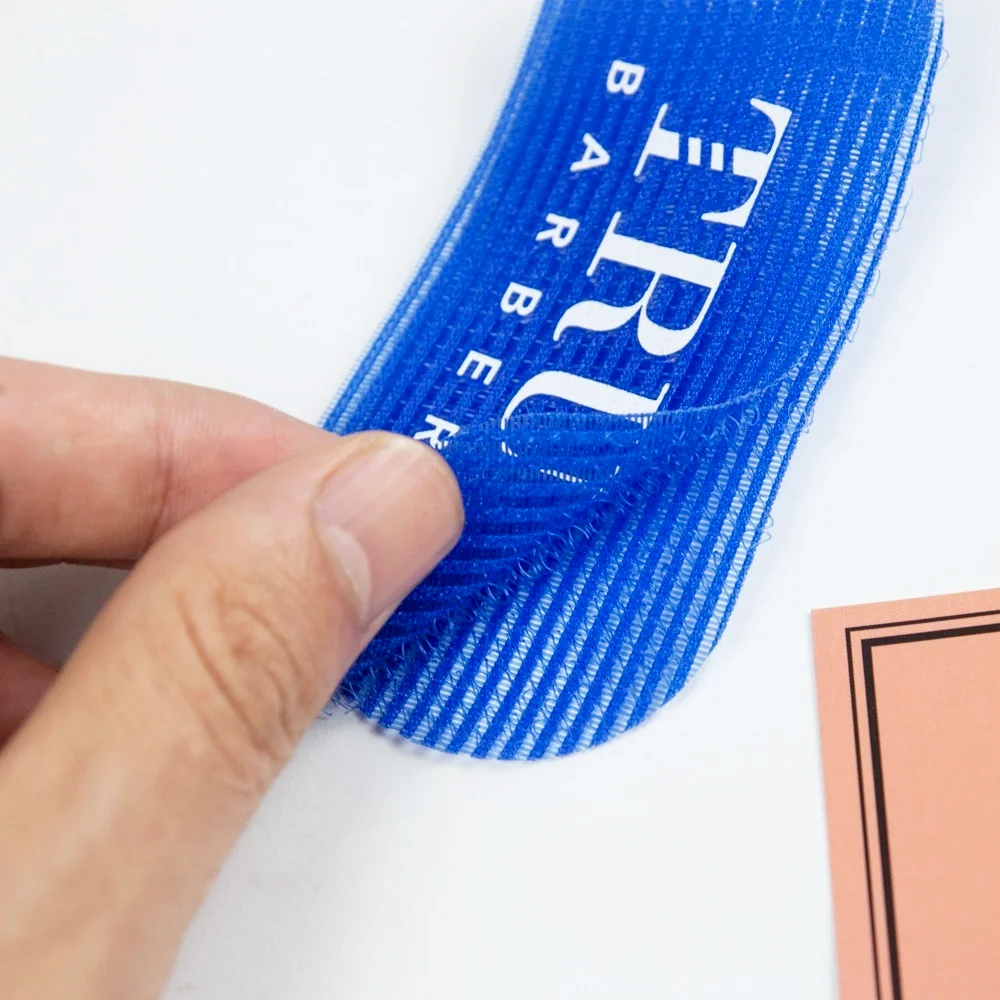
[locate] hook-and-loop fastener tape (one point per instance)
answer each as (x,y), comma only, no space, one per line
(616,341)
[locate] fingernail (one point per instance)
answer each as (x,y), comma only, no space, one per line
(388,516)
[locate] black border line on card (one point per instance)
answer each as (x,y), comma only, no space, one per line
(871,706)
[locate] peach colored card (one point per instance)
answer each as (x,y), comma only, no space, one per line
(909,702)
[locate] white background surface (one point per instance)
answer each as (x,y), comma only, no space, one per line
(233,193)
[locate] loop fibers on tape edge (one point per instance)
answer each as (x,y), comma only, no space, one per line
(616,340)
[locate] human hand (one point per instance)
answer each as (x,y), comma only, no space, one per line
(266,554)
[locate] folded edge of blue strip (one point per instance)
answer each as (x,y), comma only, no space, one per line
(605,546)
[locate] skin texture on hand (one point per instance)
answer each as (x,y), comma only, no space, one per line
(266,554)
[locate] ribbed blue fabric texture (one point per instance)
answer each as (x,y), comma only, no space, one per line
(726,173)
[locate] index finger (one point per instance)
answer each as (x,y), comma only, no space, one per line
(97,467)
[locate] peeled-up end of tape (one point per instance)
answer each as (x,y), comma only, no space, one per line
(616,341)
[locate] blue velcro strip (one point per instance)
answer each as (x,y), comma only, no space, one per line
(616,340)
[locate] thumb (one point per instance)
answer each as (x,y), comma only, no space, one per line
(185,698)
